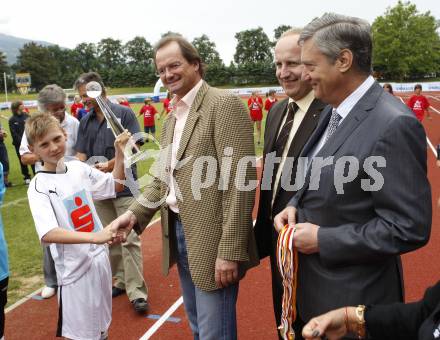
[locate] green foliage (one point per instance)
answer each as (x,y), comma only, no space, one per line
(39,62)
(253,46)
(207,50)
(405,43)
(280,30)
(110,53)
(139,51)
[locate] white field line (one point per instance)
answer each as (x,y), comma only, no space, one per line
(435,110)
(432,147)
(23,300)
(434,97)
(401,100)
(162,319)
(16,202)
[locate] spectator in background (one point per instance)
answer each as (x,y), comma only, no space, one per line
(96,139)
(419,104)
(77,104)
(270,100)
(4,159)
(255,105)
(166,104)
(123,101)
(81,113)
(16,126)
(388,88)
(4,267)
(148,111)
(51,99)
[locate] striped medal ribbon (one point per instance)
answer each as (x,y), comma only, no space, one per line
(287,260)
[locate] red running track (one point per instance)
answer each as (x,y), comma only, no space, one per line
(37,319)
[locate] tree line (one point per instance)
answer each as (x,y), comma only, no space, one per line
(406,45)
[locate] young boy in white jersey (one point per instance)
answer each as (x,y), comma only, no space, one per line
(61,201)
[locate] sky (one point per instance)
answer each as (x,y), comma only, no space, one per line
(70,23)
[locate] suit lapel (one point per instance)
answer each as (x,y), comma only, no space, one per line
(191,121)
(306,128)
(356,116)
(348,126)
(276,117)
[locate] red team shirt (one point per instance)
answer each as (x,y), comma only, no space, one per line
(74,108)
(166,105)
(418,104)
(255,109)
(269,103)
(148,111)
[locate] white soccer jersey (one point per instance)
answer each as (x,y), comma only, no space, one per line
(65,200)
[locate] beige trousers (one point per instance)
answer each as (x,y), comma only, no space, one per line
(125,258)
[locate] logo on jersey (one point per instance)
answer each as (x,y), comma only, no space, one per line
(81,217)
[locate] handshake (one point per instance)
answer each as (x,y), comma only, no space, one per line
(117,231)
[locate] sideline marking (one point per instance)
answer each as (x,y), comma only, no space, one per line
(432,107)
(163,318)
(23,300)
(17,201)
(432,147)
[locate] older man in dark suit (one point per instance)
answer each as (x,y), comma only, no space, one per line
(366,197)
(289,124)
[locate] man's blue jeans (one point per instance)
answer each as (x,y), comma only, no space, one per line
(211,314)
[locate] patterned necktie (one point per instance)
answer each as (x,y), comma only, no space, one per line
(332,124)
(281,141)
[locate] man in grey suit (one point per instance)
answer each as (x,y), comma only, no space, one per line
(285,134)
(366,197)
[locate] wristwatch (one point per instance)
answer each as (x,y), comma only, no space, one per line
(359,311)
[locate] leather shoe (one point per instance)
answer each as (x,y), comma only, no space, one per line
(140,305)
(117,291)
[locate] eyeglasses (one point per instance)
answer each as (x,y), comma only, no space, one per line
(170,68)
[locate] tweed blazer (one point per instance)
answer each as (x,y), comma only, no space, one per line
(217,219)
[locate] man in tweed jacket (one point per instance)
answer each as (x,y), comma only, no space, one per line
(205,192)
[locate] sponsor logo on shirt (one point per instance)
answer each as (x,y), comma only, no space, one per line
(81,217)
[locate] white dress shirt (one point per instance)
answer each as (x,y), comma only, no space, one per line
(181,109)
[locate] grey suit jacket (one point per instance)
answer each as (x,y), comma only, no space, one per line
(363,231)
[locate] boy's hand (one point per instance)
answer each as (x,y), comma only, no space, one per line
(122,226)
(103,236)
(122,140)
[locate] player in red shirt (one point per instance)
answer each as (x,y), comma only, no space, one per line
(166,104)
(255,105)
(148,111)
(123,101)
(270,100)
(77,104)
(419,103)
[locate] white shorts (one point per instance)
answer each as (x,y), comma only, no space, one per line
(86,304)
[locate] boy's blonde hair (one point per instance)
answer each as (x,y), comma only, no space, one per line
(38,125)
